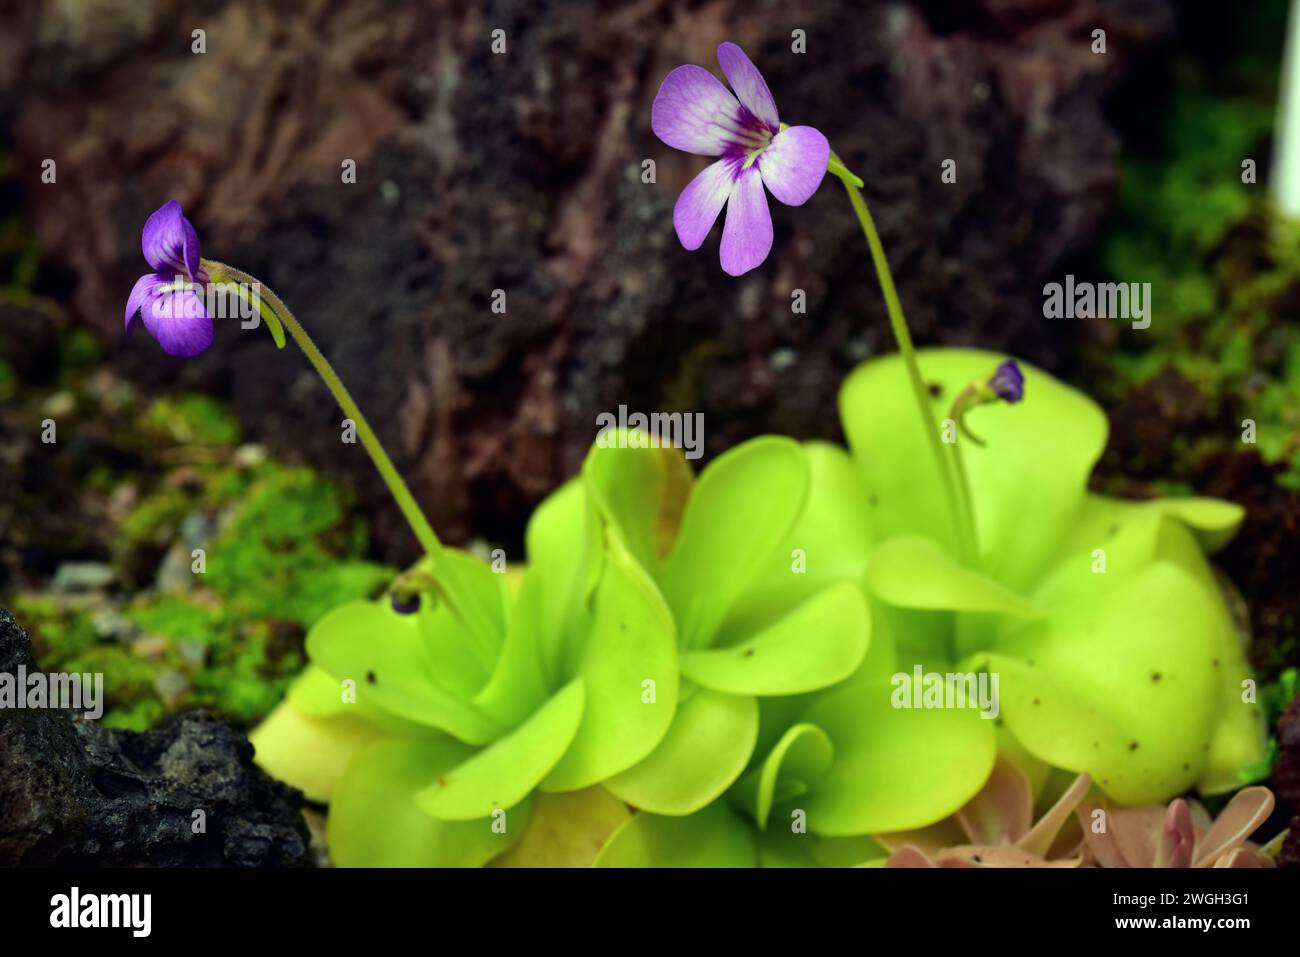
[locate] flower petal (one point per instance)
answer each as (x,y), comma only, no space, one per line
(141,291)
(700,202)
(695,113)
(178,319)
(794,164)
(170,243)
(747,234)
(751,89)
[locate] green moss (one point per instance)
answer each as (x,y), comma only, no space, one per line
(1219,263)
(191,419)
(230,639)
(78,350)
(289,553)
(155,520)
(1275,696)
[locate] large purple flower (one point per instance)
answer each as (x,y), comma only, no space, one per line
(694,112)
(168,299)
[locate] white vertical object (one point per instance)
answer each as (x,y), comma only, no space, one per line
(1286,144)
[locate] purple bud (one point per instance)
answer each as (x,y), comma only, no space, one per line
(1008,383)
(406,605)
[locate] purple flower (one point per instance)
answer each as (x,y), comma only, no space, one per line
(1008,383)
(694,112)
(168,299)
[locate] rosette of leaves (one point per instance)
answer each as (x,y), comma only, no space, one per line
(1108,630)
(707,543)
(420,729)
(429,733)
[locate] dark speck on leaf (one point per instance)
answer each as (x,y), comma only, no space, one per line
(1215,662)
(1155,676)
(936,389)
(1132,745)
(749,652)
(1186,766)
(370,677)
(1037,702)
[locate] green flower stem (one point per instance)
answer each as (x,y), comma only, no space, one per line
(950,472)
(968,509)
(280,314)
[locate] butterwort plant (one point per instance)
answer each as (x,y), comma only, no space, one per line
(440,710)
(688,665)
(432,718)
(977,553)
(1116,653)
(694,112)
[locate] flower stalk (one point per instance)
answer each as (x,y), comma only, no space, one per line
(951,474)
(279,318)
(281,315)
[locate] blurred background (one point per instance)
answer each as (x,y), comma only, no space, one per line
(522,172)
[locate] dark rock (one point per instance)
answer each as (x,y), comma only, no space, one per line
(1290,854)
(1264,557)
(1286,780)
(521,171)
(75,794)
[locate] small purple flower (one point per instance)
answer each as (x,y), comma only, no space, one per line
(1008,383)
(168,299)
(695,113)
